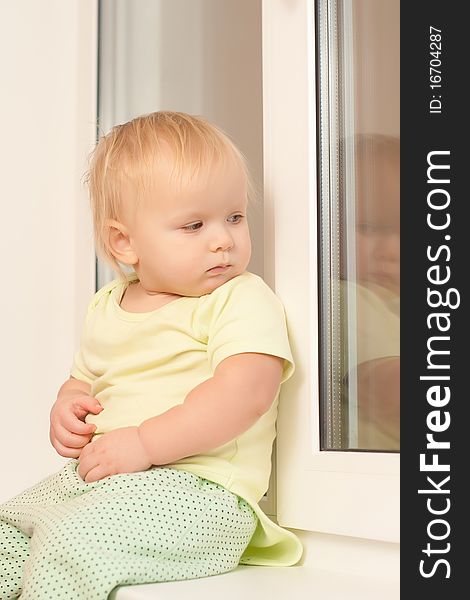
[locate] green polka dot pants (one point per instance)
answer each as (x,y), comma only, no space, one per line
(65,538)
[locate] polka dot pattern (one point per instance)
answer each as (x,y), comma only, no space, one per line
(64,538)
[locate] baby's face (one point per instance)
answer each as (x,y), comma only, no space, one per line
(378,226)
(192,239)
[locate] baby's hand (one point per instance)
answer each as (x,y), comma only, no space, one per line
(68,431)
(118,451)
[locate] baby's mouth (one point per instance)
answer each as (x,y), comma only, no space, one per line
(219,268)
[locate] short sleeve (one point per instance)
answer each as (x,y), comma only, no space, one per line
(377,325)
(247,316)
(80,368)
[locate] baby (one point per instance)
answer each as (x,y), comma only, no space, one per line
(169,414)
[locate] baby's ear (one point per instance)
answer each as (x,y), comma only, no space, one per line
(119,242)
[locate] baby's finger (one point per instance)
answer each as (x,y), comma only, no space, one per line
(63,450)
(87,462)
(99,472)
(90,404)
(73,424)
(70,440)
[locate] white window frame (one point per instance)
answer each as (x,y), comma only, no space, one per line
(345,493)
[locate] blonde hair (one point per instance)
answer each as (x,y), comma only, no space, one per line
(128,155)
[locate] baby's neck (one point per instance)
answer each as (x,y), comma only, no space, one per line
(138,299)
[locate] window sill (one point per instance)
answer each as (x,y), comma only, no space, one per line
(333,568)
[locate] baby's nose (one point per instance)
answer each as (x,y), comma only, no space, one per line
(222,241)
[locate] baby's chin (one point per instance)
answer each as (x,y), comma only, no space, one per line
(382,286)
(213,282)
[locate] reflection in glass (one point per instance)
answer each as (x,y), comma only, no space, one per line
(371,369)
(360,224)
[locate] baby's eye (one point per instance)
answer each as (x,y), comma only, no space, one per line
(365,228)
(193,226)
(235,218)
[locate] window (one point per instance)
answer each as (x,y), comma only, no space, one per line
(359,175)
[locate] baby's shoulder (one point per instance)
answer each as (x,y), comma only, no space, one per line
(245,295)
(105,292)
(243,287)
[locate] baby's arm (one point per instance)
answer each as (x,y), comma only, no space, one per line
(215,412)
(378,384)
(68,431)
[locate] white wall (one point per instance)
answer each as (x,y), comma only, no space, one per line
(47,109)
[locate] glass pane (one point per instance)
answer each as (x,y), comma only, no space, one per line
(359,150)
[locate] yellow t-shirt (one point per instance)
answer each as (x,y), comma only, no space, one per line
(377,312)
(141,364)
